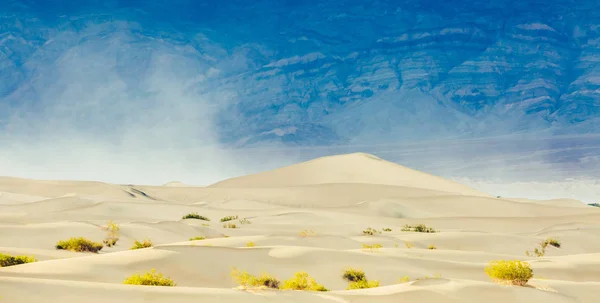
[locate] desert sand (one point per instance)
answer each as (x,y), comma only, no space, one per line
(337,197)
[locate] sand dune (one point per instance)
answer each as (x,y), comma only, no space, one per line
(305,217)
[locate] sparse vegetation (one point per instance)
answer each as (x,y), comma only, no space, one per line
(594,204)
(372,247)
(228,218)
(514,272)
(302,281)
(420,228)
(386,229)
(431,247)
(151,278)
(404,279)
(357,279)
(229,225)
(250,244)
(307,233)
(80,244)
(244,221)
(541,251)
(408,244)
(247,280)
(113,231)
(139,245)
(197,238)
(195,216)
(8,260)
(371,232)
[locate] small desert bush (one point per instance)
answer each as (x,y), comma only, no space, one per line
(386,229)
(195,216)
(151,278)
(138,245)
(408,244)
(371,232)
(307,233)
(250,244)
(113,232)
(357,279)
(197,238)
(353,275)
(372,247)
(420,228)
(247,280)
(229,218)
(513,271)
(8,260)
(404,279)
(79,245)
(244,221)
(551,241)
(302,281)
(541,251)
(363,284)
(229,225)
(431,247)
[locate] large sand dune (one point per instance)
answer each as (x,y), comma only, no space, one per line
(335,197)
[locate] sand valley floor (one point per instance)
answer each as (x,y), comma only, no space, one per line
(305,217)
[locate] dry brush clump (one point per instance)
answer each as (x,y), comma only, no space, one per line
(513,272)
(195,216)
(139,245)
(80,244)
(113,233)
(229,225)
(197,238)
(247,280)
(307,233)
(357,279)
(250,244)
(302,281)
(8,260)
(541,251)
(372,247)
(431,247)
(229,218)
(370,232)
(244,221)
(420,228)
(151,278)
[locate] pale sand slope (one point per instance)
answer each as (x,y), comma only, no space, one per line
(336,197)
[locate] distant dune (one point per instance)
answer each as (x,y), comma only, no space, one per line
(313,216)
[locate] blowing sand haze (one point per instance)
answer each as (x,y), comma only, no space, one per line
(347,228)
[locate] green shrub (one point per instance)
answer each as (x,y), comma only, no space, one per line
(195,216)
(386,229)
(353,275)
(113,231)
(363,284)
(151,278)
(404,279)
(197,238)
(302,281)
(79,245)
(372,247)
(8,260)
(594,204)
(250,244)
(247,280)
(138,245)
(371,232)
(431,247)
(245,221)
(420,228)
(513,271)
(307,233)
(229,225)
(229,218)
(551,241)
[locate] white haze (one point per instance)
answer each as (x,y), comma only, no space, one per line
(120,107)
